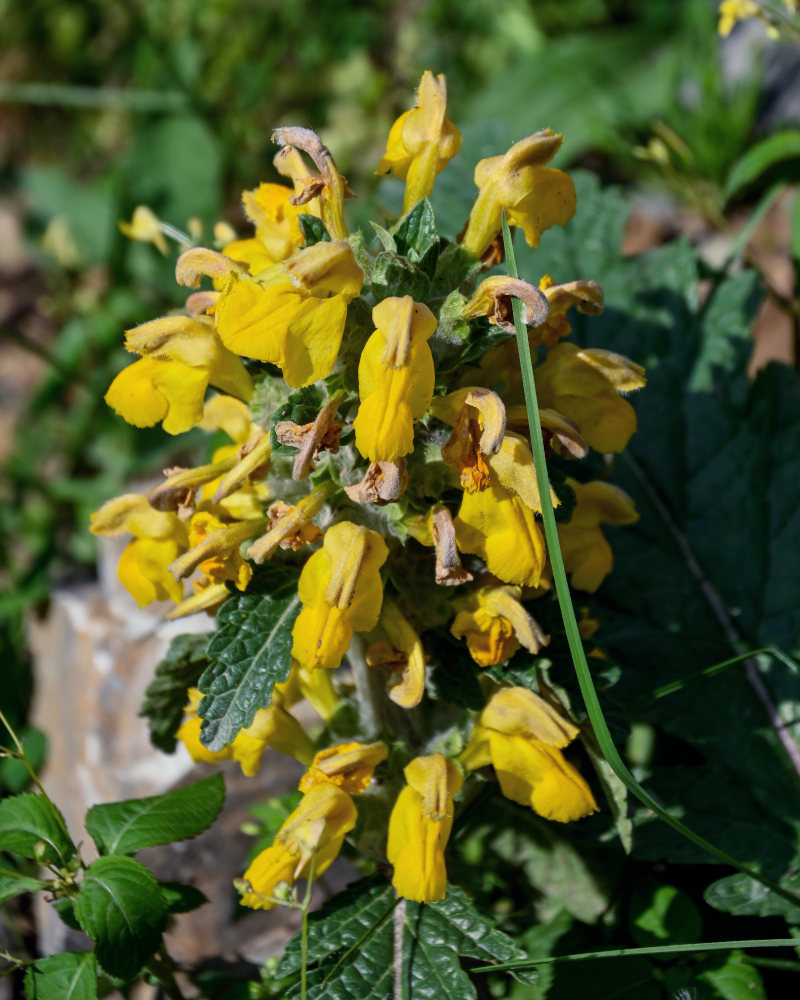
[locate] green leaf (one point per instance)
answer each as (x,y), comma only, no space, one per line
(313,230)
(396,275)
(776,148)
(733,979)
(16,886)
(124,827)
(68,976)
(165,697)
(662,914)
(31,825)
(351,946)
(743,896)
(250,653)
(121,908)
(417,237)
(182,898)
(615,791)
(301,407)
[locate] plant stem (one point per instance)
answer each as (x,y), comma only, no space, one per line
(585,681)
(304,930)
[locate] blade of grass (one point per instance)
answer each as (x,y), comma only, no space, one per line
(657,950)
(588,690)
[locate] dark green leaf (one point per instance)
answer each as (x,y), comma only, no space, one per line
(417,238)
(313,230)
(351,946)
(182,898)
(124,827)
(68,976)
(395,275)
(66,911)
(30,825)
(743,896)
(732,978)
(16,886)
(121,908)
(776,148)
(662,914)
(250,653)
(165,697)
(301,407)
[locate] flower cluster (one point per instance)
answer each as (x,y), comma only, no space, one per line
(378,447)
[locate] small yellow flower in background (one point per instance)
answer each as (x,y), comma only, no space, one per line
(341,592)
(159,538)
(293,313)
(520,735)
(182,357)
(588,557)
(422,141)
(420,826)
(534,196)
(349,766)
(145,226)
(272,727)
(312,835)
(733,11)
(395,379)
(495,624)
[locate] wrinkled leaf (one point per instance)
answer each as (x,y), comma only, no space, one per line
(124,827)
(165,697)
(743,896)
(29,820)
(68,976)
(313,230)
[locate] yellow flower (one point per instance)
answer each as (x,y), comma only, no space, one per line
(534,197)
(478,419)
(182,357)
(587,295)
(410,687)
(587,555)
(494,624)
(520,734)
(583,385)
(349,766)
(159,537)
(145,226)
(313,834)
(278,234)
(420,826)
(272,727)
(341,592)
(499,524)
(422,141)
(395,379)
(293,313)
(732,11)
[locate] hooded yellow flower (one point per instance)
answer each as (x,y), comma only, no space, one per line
(534,196)
(494,624)
(422,141)
(499,524)
(420,826)
(349,766)
(272,727)
(159,537)
(395,379)
(587,555)
(520,734)
(278,234)
(182,357)
(584,386)
(314,832)
(293,313)
(341,591)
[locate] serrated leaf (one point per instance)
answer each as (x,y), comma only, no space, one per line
(68,976)
(121,908)
(743,896)
(417,237)
(124,827)
(250,653)
(165,697)
(396,275)
(29,819)
(778,147)
(16,886)
(182,898)
(313,230)
(351,946)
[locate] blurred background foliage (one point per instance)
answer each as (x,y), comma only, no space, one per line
(104,106)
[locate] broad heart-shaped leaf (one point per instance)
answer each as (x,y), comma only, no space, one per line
(29,820)
(351,946)
(710,567)
(68,976)
(165,697)
(124,827)
(121,908)
(250,653)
